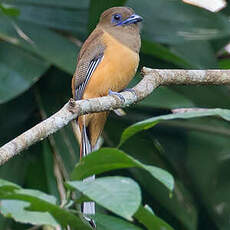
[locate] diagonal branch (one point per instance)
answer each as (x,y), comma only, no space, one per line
(153,78)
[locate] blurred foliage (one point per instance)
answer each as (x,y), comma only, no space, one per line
(39,44)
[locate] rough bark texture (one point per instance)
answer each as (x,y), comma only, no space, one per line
(153,78)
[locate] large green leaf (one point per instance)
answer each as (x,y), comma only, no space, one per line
(43,42)
(149,123)
(17,210)
(148,219)
(19,70)
(107,159)
(39,202)
(120,195)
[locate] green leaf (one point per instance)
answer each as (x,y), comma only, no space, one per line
(40,202)
(17,210)
(116,159)
(106,222)
(97,7)
(18,74)
(7,186)
(120,195)
(149,123)
(149,220)
(68,18)
(9,10)
(43,42)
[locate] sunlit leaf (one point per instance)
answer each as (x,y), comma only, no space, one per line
(149,123)
(40,202)
(17,210)
(120,195)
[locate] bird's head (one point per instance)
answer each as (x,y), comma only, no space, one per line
(120,17)
(123,24)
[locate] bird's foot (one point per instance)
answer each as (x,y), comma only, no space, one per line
(112,93)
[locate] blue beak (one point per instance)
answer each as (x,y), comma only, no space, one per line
(134,18)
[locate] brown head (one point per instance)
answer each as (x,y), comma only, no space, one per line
(122,24)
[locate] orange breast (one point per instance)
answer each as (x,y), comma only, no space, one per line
(115,71)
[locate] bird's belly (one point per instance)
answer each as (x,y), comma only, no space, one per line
(116,70)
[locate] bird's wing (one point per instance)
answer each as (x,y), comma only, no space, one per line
(79,89)
(89,58)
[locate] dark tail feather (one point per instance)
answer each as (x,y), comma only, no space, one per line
(88,208)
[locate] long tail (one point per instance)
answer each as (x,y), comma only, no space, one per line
(88,208)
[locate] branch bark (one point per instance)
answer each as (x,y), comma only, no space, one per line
(153,78)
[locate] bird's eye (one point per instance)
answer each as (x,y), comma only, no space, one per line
(116,17)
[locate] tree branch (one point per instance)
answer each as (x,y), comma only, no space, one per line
(153,78)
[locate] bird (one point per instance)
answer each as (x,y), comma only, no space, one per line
(107,62)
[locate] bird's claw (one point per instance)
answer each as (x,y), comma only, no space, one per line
(112,93)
